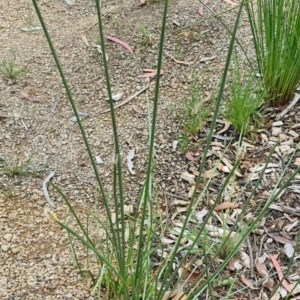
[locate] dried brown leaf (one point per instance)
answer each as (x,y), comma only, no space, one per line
(225,128)
(262,270)
(138,110)
(230,2)
(189,156)
(189,276)
(175,295)
(122,43)
(203,59)
(226,205)
(248,282)
(143,2)
(84,39)
(280,239)
(200,10)
(280,275)
(245,259)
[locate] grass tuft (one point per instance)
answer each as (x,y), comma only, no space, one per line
(246,96)
(8,69)
(131,258)
(275,26)
(19,167)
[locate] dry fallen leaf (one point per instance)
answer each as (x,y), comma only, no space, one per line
(288,250)
(262,270)
(122,43)
(175,295)
(297,161)
(143,2)
(31,99)
(280,239)
(245,259)
(31,28)
(230,2)
(226,205)
(247,282)
(226,126)
(129,161)
(230,264)
(150,73)
(189,156)
(84,39)
(138,110)
(194,150)
(200,10)
(263,273)
(203,59)
(215,231)
(188,177)
(189,276)
(280,275)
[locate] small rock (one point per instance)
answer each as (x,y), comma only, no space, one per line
(69,295)
(4,248)
(15,250)
(8,237)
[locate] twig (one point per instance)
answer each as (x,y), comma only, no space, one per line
(176,196)
(93,24)
(129,99)
(250,256)
(24,124)
(54,107)
(260,247)
(285,209)
(45,189)
(288,108)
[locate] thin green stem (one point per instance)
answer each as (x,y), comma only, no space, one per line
(151,146)
(205,152)
(121,242)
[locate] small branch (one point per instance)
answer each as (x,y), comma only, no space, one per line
(54,107)
(288,108)
(260,247)
(285,209)
(176,196)
(45,189)
(128,100)
(250,256)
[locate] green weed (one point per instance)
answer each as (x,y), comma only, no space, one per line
(19,167)
(177,52)
(247,95)
(196,109)
(116,21)
(146,36)
(9,70)
(275,26)
(29,17)
(132,261)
